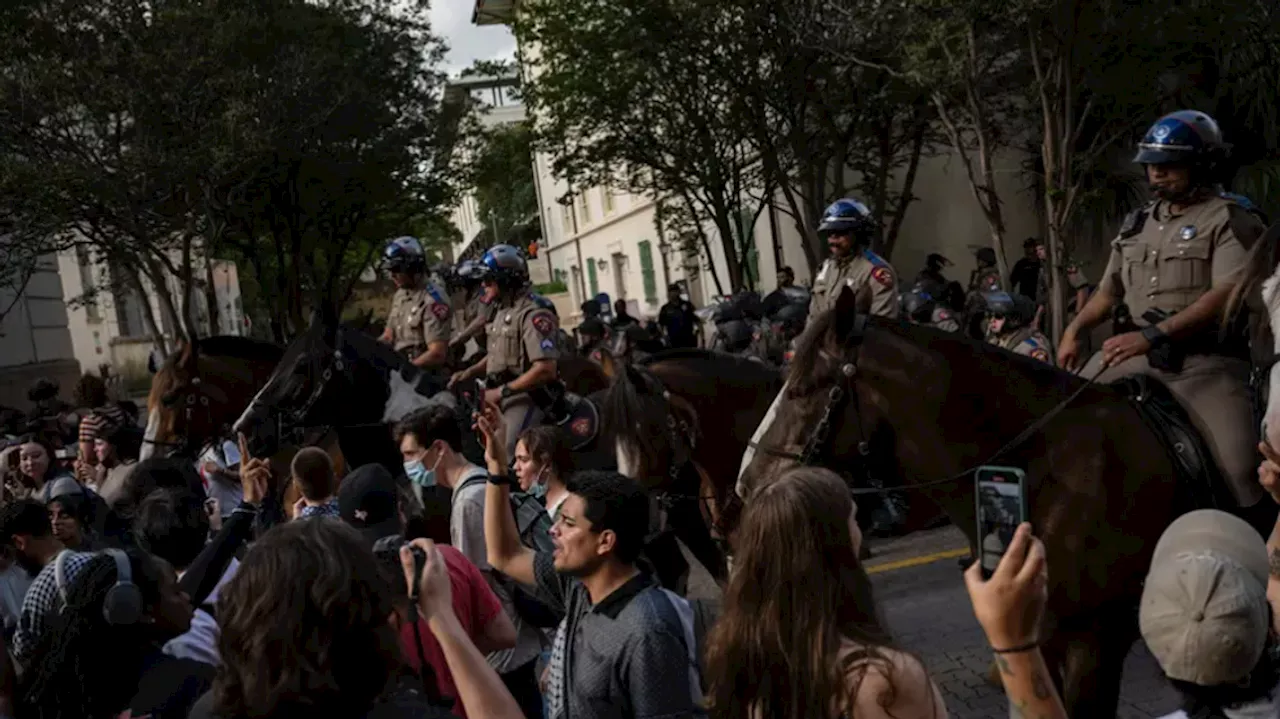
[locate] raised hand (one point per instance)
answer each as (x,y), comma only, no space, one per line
(255,474)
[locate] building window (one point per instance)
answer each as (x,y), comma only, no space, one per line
(128,306)
(606,199)
(646,269)
(566,219)
(592,283)
(584,210)
(509,95)
(620,274)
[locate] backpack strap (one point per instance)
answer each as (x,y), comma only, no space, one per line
(474,476)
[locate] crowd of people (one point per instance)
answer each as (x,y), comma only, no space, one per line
(538,602)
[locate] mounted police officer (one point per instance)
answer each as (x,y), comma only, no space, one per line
(1009,325)
(472,313)
(1174,263)
(418,325)
(520,367)
(985,277)
(849,229)
(919,305)
(594,339)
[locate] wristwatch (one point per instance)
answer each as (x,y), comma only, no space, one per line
(1153,334)
(506,391)
(501,480)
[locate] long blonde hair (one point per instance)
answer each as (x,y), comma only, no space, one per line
(798,594)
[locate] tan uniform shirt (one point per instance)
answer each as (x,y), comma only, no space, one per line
(1027,342)
(945,320)
(986,279)
(520,334)
(418,317)
(1175,258)
(863,272)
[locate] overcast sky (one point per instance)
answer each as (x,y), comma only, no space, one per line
(451,20)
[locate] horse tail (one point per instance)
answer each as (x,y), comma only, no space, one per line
(1259,264)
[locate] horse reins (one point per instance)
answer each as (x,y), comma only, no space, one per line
(818,438)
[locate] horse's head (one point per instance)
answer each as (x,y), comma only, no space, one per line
(330,376)
(836,397)
(654,432)
(185,407)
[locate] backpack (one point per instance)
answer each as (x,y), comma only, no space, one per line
(534,524)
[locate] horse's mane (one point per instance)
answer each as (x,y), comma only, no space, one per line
(237,347)
(731,370)
(941,346)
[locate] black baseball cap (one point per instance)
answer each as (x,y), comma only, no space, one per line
(369,500)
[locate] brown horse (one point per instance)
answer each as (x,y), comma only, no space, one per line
(680,421)
(1102,486)
(201,390)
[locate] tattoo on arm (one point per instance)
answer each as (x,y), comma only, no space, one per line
(1003,663)
(1275,562)
(1040,686)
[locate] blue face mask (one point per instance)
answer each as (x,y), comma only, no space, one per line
(418,473)
(538,489)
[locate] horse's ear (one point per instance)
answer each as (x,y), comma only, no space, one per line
(186,355)
(846,310)
(608,365)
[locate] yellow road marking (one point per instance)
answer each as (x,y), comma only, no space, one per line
(917,561)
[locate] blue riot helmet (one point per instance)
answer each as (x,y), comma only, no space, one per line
(918,305)
(506,266)
(1016,310)
(1186,138)
(848,216)
(404,254)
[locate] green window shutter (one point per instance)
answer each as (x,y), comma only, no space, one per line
(646,269)
(751,261)
(591,277)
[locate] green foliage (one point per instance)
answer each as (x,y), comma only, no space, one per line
(501,175)
(551,288)
(292,136)
(632,96)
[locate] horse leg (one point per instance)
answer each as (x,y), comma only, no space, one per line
(1093,661)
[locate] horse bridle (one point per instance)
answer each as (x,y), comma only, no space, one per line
(196,392)
(816,444)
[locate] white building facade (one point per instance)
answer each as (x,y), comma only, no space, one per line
(106,318)
(34,339)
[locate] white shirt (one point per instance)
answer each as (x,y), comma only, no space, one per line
(201,640)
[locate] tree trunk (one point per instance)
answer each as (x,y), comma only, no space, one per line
(155,272)
(148,315)
(211,295)
(906,196)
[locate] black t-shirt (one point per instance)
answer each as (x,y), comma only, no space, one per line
(1025,277)
(169,687)
(680,322)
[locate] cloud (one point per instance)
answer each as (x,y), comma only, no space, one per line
(451,20)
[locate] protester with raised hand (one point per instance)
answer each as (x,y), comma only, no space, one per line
(627,648)
(1010,607)
(483,693)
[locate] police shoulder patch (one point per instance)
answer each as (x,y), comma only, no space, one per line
(1040,354)
(883,275)
(943,315)
(440,310)
(543,322)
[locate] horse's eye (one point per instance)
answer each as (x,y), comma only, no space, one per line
(191,399)
(204,401)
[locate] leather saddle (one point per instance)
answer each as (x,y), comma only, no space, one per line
(1198,473)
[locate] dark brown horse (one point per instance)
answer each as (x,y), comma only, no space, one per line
(680,421)
(1102,485)
(200,391)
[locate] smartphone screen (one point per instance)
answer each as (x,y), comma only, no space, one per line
(1002,506)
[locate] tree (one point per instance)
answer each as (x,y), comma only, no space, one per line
(296,136)
(501,175)
(632,96)
(823,126)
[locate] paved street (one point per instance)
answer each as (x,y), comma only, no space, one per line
(920,590)
(928,611)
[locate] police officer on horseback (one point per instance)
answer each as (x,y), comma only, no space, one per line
(474,312)
(418,325)
(849,229)
(520,366)
(919,305)
(1174,263)
(1009,325)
